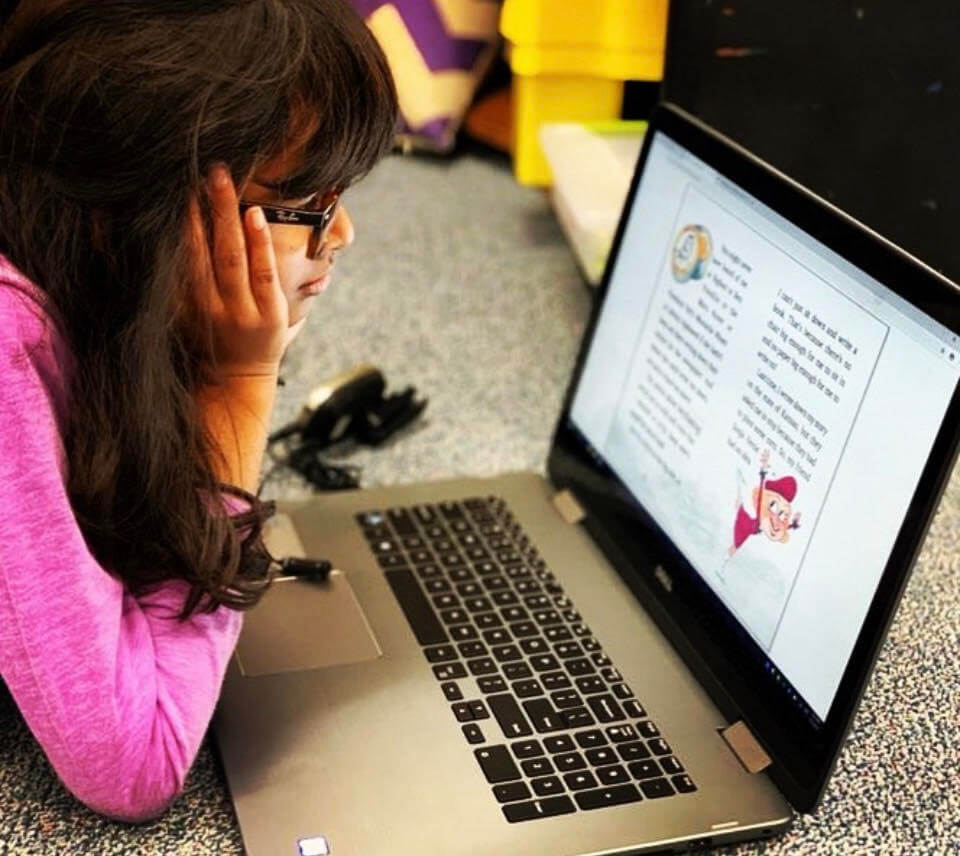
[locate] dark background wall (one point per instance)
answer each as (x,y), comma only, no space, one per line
(860,101)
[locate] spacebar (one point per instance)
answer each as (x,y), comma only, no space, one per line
(423,620)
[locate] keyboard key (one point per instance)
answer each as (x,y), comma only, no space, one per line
(659,747)
(527,689)
(402,522)
(683,784)
(656,788)
(450,671)
(469,589)
(451,690)
(517,671)
(590,685)
(537,601)
(534,645)
(497,765)
(509,716)
(622,691)
(569,761)
(495,583)
(537,767)
(614,775)
(557,633)
(555,680)
(524,628)
(566,650)
(415,606)
(486,620)
(391,560)
(472,649)
(520,811)
(425,514)
(492,684)
(477,604)
(527,748)
(543,716)
(611,675)
(605,708)
(577,717)
(462,712)
(436,585)
(507,653)
(602,755)
(544,617)
(478,709)
(616,795)
(497,636)
(454,616)
(566,698)
(511,791)
(671,764)
(482,666)
(622,733)
(633,751)
(644,769)
(544,662)
(580,666)
(473,733)
(559,743)
(426,572)
(590,739)
(445,601)
(440,653)
(648,729)
(462,632)
(600,659)
(580,781)
(547,786)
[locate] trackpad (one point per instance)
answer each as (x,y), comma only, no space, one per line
(305,625)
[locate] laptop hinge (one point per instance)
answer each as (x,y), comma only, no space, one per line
(568,507)
(745,746)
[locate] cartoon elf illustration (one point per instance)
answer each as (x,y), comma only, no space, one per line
(771,504)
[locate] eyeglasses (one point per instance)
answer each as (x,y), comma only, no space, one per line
(319,216)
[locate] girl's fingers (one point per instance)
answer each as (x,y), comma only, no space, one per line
(229,250)
(204,279)
(264,279)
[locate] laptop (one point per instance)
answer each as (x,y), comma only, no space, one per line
(661,645)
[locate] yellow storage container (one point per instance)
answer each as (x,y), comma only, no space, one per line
(570,60)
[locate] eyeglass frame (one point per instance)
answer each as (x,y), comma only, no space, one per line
(318,221)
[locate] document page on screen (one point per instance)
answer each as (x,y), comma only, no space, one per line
(770,405)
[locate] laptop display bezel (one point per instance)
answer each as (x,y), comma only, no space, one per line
(724,658)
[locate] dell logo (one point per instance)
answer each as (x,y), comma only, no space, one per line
(663,578)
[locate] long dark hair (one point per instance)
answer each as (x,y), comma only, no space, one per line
(111,113)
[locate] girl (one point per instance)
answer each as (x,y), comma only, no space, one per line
(144,309)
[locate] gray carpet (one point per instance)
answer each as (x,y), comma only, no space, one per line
(460,283)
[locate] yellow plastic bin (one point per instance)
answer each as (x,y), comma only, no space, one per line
(570,61)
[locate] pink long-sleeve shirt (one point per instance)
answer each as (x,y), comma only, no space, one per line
(117,691)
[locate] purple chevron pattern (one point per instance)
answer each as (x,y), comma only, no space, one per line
(440,50)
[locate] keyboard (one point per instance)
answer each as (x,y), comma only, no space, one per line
(552,724)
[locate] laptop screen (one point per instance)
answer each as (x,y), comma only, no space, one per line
(740,383)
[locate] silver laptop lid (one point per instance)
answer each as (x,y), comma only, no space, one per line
(763,417)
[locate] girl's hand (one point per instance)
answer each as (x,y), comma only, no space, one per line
(236,284)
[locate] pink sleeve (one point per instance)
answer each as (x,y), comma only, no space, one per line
(117,691)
